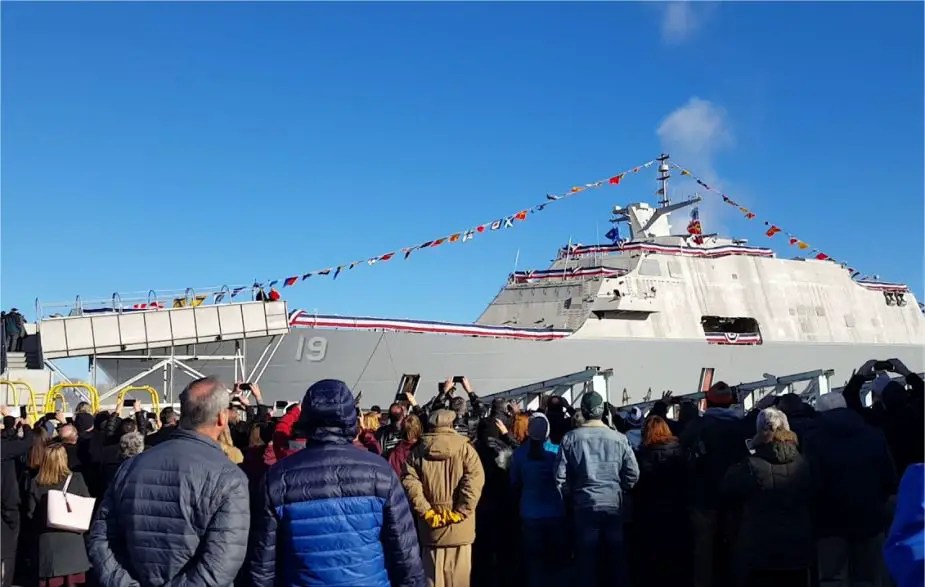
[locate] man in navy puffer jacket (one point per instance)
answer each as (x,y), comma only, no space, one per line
(331,514)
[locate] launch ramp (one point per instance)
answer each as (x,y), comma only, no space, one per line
(116,332)
(571,387)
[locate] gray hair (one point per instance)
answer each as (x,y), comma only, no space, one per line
(771,420)
(201,402)
(830,401)
(131,444)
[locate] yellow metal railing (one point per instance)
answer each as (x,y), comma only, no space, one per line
(32,409)
(155,399)
(56,393)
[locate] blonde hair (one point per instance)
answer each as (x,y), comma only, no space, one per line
(370,421)
(231,451)
(224,437)
(54,467)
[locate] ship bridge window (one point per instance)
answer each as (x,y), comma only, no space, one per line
(730,330)
(731,325)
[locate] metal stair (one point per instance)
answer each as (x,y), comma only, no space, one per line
(16,360)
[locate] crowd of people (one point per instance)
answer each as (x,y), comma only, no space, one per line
(457,492)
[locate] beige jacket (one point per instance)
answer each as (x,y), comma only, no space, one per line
(443,473)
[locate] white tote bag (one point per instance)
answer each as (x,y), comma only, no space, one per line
(67,511)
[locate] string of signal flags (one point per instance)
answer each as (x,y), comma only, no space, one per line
(511,220)
(461,236)
(772,229)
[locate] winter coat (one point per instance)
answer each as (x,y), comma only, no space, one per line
(367,440)
(12,450)
(332,514)
(535,477)
(904,552)
(903,425)
(399,456)
(284,441)
(176,513)
(444,474)
(594,467)
(60,552)
(661,522)
(160,436)
(495,507)
(774,489)
(854,473)
(662,470)
(713,443)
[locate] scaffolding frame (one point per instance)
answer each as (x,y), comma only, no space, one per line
(169,364)
(528,396)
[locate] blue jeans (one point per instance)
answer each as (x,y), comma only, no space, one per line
(545,551)
(600,557)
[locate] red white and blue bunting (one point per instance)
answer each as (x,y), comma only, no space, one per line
(772,229)
(460,236)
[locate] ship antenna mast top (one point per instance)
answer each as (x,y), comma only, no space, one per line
(663,175)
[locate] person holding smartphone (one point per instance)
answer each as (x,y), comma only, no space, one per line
(898,412)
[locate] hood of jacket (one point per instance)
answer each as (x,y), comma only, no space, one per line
(442,442)
(782,449)
(841,422)
(328,414)
(728,414)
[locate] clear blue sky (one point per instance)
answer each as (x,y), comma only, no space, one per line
(188,144)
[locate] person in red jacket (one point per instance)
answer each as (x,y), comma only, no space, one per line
(284,442)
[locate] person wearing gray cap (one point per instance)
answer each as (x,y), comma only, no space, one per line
(594,468)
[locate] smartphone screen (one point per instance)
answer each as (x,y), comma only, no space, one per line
(128,403)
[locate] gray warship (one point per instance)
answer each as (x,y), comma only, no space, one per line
(657,308)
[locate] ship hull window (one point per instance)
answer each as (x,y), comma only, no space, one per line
(731,330)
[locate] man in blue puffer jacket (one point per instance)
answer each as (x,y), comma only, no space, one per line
(331,514)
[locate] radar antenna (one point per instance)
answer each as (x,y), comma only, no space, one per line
(663,175)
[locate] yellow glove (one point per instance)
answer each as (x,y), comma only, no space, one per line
(434,519)
(452,518)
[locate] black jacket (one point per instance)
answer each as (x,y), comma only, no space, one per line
(160,436)
(11,450)
(661,522)
(60,552)
(774,489)
(854,474)
(901,417)
(713,443)
(175,514)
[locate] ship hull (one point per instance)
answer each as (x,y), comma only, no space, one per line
(373,362)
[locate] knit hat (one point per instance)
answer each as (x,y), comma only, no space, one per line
(592,406)
(634,417)
(721,395)
(83,422)
(538,427)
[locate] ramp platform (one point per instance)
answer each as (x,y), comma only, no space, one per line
(95,334)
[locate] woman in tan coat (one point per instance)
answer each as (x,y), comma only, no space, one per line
(444,479)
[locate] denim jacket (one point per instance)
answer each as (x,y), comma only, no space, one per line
(595,466)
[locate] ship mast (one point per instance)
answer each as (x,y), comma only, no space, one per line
(663,175)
